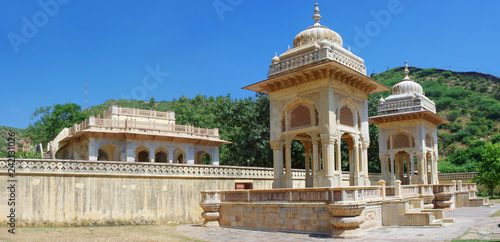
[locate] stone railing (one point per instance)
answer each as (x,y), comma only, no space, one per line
(456,176)
(337,54)
(410,191)
(139,112)
(405,106)
(443,188)
(143,126)
(39,166)
(426,190)
(337,194)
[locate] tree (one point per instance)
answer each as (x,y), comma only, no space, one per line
(489,170)
(51,120)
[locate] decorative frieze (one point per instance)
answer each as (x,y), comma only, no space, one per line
(37,166)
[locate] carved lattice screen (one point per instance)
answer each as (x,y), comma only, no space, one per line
(428,141)
(300,116)
(401,140)
(346,116)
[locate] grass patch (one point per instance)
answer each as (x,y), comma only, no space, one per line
(496,214)
(495,200)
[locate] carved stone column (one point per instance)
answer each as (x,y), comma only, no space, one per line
(422,172)
(278,163)
(288,162)
(383,167)
(364,161)
(392,169)
(211,206)
(307,151)
(315,159)
(328,141)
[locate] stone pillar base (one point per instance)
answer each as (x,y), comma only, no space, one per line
(276,184)
(332,181)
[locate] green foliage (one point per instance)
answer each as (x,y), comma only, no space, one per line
(28,155)
(426,72)
(51,120)
(453,115)
(489,170)
(446,74)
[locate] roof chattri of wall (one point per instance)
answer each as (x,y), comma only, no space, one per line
(407,101)
(316,33)
(407,85)
(317,54)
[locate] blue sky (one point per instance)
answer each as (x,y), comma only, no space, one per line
(166,49)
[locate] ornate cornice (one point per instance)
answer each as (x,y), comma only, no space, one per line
(325,71)
(419,115)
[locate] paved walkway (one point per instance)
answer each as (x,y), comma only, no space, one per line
(475,219)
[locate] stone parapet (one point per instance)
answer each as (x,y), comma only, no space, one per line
(144,169)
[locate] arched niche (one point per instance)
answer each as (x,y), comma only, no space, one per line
(142,154)
(161,155)
(179,156)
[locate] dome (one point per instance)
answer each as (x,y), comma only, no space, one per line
(275,59)
(316,33)
(407,85)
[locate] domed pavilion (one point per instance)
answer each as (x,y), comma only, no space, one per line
(407,123)
(318,93)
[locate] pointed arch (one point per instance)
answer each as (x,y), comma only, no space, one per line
(179,156)
(142,154)
(161,155)
(203,156)
(113,152)
(429,140)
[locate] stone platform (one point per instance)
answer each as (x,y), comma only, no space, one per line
(341,212)
(476,220)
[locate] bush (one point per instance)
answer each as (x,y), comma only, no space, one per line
(495,139)
(444,103)
(474,130)
(458,93)
(453,115)
(455,128)
(446,74)
(426,72)
(461,135)
(494,111)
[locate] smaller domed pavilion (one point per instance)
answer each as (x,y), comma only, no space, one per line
(407,123)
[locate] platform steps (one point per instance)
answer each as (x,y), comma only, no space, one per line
(480,201)
(46,155)
(416,215)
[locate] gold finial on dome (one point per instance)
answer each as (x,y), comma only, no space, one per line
(316,16)
(407,72)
